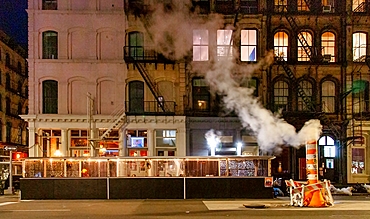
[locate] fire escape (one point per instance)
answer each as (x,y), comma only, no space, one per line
(356,85)
(313,58)
(118,118)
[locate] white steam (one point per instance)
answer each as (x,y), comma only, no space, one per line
(172,32)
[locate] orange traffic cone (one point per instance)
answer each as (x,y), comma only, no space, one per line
(317,200)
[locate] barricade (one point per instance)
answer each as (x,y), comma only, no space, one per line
(301,193)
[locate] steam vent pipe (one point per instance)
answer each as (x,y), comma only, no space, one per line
(312,198)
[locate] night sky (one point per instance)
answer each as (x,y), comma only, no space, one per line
(13,20)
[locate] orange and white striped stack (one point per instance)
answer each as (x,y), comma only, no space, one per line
(311,162)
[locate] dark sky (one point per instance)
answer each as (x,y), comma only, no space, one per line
(13,20)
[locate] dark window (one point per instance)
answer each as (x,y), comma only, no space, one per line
(49,45)
(7,60)
(19,68)
(49,4)
(136,97)
(8,106)
(248,6)
(50,97)
(1,102)
(281,95)
(19,88)
(8,131)
(201,96)
(136,45)
(7,82)
(20,108)
(1,131)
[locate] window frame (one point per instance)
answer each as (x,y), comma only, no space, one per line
(328,96)
(50,45)
(50,97)
(200,44)
(250,46)
(281,44)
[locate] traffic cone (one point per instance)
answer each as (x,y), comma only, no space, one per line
(317,200)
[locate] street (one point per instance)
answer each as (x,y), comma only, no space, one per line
(345,207)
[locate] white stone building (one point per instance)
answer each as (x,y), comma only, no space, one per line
(78,86)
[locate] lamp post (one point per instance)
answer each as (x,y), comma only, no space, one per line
(10,149)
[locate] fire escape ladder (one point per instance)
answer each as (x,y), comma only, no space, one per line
(119,119)
(302,40)
(145,75)
(361,7)
(321,115)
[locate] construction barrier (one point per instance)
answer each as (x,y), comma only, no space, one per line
(310,195)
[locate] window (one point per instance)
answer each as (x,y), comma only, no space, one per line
(280,5)
(49,5)
(224,44)
(200,45)
(328,45)
(8,105)
(359,47)
(19,68)
(137,143)
(248,45)
(302,5)
(20,109)
(50,97)
(201,95)
(165,138)
(358,5)
(1,131)
(7,81)
(358,161)
(49,45)
(136,45)
(1,102)
(8,131)
(51,140)
(328,149)
(307,89)
(328,97)
(248,6)
(7,60)
(302,49)
(136,97)
(281,45)
(360,91)
(251,83)
(281,94)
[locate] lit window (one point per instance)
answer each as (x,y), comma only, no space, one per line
(224,43)
(304,50)
(281,45)
(165,138)
(280,5)
(200,45)
(358,5)
(302,5)
(248,44)
(359,47)
(328,45)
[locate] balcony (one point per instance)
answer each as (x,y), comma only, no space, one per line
(144,54)
(149,108)
(137,7)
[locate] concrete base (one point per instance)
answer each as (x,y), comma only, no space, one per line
(8,191)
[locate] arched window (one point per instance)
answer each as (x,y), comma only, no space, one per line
(49,45)
(50,97)
(328,97)
(307,89)
(136,96)
(328,45)
(281,45)
(281,95)
(302,49)
(359,47)
(328,150)
(136,45)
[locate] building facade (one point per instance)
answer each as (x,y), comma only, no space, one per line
(137,78)
(13,94)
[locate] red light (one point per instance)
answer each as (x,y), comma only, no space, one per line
(18,156)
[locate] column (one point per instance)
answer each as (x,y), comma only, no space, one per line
(122,143)
(32,152)
(151,143)
(64,142)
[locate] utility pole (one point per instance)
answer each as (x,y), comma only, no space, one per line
(90,113)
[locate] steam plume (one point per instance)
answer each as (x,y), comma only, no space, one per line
(172,32)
